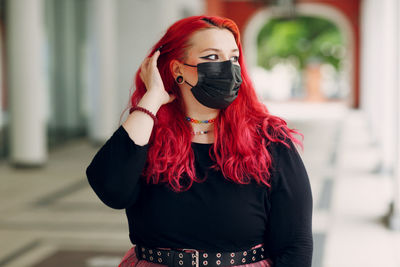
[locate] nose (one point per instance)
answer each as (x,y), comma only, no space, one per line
(224,57)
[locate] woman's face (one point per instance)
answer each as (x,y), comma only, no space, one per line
(209,45)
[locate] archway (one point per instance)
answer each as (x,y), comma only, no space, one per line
(260,17)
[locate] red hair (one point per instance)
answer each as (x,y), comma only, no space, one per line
(242,131)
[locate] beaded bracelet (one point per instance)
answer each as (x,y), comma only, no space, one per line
(145,111)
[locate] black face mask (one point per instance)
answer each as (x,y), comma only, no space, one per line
(218,83)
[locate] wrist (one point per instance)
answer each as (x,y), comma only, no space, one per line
(151,102)
(154,98)
(144,110)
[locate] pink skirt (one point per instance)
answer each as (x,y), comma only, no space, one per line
(130,260)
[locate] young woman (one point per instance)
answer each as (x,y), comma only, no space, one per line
(206,175)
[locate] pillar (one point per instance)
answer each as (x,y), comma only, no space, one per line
(394,220)
(1,81)
(103,92)
(26,82)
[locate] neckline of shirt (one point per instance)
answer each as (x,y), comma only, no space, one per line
(202,144)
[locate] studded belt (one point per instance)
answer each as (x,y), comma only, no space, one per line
(193,257)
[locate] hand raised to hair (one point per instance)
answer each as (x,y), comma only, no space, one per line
(152,79)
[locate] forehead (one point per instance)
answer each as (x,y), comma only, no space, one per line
(221,39)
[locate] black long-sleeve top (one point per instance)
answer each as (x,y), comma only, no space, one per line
(216,215)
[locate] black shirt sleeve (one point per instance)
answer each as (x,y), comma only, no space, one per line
(115,170)
(289,230)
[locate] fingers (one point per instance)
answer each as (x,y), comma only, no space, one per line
(147,62)
(154,58)
(143,69)
(149,72)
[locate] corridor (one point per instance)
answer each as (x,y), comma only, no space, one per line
(51,217)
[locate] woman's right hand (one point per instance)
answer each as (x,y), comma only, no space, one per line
(152,79)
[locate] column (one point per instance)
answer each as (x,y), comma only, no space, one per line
(102,71)
(394,220)
(1,83)
(63,34)
(26,82)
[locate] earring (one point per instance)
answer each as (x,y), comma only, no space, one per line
(179,79)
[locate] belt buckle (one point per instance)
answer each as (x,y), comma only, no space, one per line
(197,255)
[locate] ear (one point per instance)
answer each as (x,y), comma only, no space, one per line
(176,68)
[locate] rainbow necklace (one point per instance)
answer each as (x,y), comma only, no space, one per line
(197,121)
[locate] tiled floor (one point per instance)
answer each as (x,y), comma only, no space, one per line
(51,214)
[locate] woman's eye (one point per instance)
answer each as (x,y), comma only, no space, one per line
(211,57)
(235,59)
(215,57)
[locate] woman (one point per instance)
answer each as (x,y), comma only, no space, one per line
(206,175)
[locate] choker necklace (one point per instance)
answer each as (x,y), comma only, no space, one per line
(197,121)
(201,132)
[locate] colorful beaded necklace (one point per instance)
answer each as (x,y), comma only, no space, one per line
(197,121)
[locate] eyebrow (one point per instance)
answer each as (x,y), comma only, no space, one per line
(217,50)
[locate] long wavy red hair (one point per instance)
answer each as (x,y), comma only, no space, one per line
(242,131)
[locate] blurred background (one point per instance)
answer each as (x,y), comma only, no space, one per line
(330,68)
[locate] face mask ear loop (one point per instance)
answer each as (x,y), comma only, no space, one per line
(189,84)
(190,65)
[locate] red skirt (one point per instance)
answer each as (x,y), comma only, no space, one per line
(130,260)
